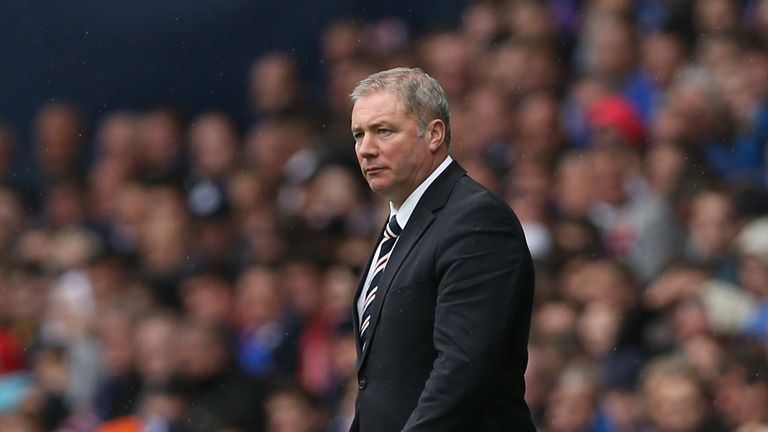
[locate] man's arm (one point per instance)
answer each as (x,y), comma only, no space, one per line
(482,268)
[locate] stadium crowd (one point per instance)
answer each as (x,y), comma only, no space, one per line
(166,273)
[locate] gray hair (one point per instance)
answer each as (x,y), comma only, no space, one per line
(421,94)
(702,80)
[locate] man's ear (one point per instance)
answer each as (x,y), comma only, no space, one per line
(435,134)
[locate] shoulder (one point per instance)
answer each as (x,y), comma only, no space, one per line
(469,200)
(479,233)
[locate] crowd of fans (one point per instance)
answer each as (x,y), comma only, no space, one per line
(194,274)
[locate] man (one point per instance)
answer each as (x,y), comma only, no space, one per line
(443,309)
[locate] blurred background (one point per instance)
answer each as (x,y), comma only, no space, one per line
(183,224)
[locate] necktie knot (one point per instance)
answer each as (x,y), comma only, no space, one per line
(393,228)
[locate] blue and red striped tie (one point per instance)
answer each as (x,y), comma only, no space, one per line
(391,232)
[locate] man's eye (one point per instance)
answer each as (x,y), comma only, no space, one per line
(357,136)
(384,131)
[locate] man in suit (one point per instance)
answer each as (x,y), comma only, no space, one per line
(444,307)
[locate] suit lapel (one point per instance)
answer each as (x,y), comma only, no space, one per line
(423,216)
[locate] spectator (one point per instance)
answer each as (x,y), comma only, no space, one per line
(119,388)
(268,332)
(59,141)
(160,147)
(636,226)
(573,403)
(154,339)
(711,229)
(291,409)
(676,399)
(753,273)
(445,56)
(7,155)
(275,87)
(207,298)
(742,388)
(11,219)
(219,395)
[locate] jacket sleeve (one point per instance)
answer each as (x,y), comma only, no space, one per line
(482,267)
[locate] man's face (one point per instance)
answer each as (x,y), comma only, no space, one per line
(393,158)
(676,404)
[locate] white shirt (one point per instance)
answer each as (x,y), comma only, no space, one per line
(402,214)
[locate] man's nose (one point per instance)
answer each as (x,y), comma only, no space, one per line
(367,147)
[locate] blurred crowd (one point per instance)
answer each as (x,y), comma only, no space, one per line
(168,272)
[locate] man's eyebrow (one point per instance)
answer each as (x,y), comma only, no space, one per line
(373,125)
(379,123)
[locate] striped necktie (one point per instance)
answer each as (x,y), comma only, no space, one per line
(391,232)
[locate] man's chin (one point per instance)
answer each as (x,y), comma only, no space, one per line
(379,187)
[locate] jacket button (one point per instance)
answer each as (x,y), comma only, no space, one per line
(361,384)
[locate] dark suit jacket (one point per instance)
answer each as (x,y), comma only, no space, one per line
(448,340)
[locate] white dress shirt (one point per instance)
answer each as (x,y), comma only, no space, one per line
(403,214)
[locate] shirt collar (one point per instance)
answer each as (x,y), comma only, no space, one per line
(406,210)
